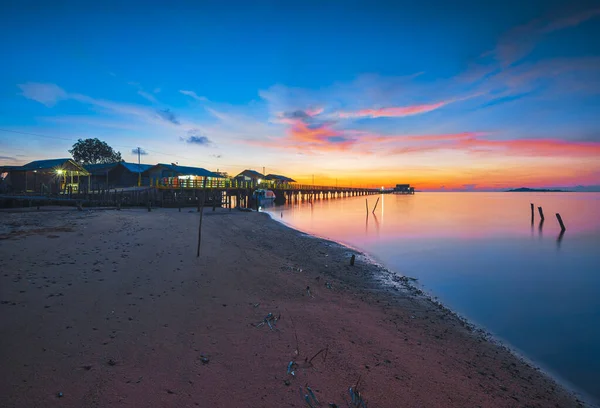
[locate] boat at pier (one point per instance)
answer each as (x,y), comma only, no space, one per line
(263,196)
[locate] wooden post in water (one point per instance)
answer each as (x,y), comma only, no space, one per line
(367,205)
(560,221)
(532,213)
(541,213)
(376,202)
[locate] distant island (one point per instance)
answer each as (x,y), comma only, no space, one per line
(534,190)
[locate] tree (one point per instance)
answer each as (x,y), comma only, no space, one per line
(94,151)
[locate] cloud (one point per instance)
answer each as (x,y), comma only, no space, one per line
(446,136)
(168,115)
(477,143)
(216,156)
(193,95)
(156,90)
(46,94)
(399,111)
(8,158)
(147,96)
(518,42)
(197,138)
(142,152)
(306,130)
(571,20)
(532,147)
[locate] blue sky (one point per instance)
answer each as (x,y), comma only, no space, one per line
(483,93)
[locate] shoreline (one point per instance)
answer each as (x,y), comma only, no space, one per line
(397,279)
(407,350)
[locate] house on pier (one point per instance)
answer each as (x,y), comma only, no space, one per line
(250,176)
(175,176)
(52,176)
(118,175)
(404,189)
(277,180)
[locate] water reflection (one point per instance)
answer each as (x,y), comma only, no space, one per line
(475,252)
(559,238)
(376,223)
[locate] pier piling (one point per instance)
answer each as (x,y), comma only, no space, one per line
(560,221)
(532,213)
(375,207)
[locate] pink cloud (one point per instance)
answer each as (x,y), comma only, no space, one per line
(399,111)
(447,136)
(532,147)
(473,142)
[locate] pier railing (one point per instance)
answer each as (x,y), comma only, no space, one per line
(174,183)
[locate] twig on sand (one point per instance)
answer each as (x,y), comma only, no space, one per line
(325,350)
(297,349)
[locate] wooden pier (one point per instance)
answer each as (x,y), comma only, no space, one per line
(233,193)
(188,193)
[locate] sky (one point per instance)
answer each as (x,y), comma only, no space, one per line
(462,95)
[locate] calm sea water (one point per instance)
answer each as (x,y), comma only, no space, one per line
(480,254)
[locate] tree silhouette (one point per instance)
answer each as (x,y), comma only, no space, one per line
(94,151)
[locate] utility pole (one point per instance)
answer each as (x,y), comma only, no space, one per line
(264,171)
(139,169)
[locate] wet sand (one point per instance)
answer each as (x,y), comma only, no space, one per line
(112,308)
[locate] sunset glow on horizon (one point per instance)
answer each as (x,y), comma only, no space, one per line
(476,97)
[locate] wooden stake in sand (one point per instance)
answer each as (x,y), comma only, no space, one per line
(201,214)
(376,202)
(200,225)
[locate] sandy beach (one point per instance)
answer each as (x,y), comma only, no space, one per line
(113,308)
